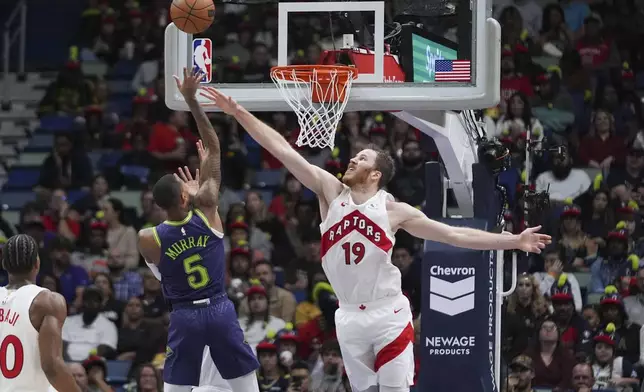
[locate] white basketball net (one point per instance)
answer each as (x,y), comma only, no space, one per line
(315,102)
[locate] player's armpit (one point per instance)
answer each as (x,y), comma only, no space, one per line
(415,222)
(53,309)
(148,246)
(207,200)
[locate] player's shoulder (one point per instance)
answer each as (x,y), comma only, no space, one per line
(146,232)
(395,206)
(49,302)
(399,212)
(148,236)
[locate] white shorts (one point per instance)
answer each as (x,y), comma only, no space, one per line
(376,339)
(210,379)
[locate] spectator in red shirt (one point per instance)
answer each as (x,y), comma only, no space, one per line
(602,148)
(283,205)
(512,82)
(56,219)
(595,50)
(552,363)
(168,140)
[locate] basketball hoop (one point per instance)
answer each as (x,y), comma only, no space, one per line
(318,95)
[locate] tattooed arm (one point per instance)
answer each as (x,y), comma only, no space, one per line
(207,197)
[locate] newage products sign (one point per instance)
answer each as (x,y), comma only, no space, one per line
(458,317)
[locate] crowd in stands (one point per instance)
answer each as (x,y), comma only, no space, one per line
(571,71)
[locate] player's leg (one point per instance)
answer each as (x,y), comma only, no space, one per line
(393,347)
(233,357)
(184,350)
(356,348)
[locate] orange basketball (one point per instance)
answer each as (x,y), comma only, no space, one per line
(192,16)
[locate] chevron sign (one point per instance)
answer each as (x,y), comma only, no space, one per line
(451,298)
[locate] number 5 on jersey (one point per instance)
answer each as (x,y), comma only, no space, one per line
(197,273)
(353,251)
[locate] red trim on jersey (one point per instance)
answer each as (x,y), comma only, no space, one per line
(362,224)
(395,348)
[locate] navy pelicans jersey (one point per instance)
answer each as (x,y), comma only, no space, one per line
(192,263)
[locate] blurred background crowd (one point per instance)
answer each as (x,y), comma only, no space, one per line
(572,75)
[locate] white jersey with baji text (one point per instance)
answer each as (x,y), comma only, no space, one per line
(357,242)
(20,369)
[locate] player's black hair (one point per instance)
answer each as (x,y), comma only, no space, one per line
(167,192)
(384,164)
(20,255)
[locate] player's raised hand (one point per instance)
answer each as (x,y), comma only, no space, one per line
(185,177)
(191,82)
(201,150)
(220,100)
(532,241)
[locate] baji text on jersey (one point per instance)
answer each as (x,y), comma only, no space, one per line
(9,317)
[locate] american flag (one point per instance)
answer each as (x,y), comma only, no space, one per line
(452,71)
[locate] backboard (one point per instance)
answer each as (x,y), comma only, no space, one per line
(412,55)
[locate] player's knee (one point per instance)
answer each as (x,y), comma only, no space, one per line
(384,388)
(176,388)
(247,383)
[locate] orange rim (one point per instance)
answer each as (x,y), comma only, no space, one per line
(297,73)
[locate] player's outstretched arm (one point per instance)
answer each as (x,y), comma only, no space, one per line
(207,197)
(416,223)
(210,167)
(49,310)
(324,184)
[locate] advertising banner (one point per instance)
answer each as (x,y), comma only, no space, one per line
(425,53)
(458,325)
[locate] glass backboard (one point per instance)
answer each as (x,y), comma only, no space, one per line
(411,55)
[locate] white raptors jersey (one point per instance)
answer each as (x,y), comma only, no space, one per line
(20,368)
(356,247)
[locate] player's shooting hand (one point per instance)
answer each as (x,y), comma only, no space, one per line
(532,241)
(185,176)
(220,100)
(201,150)
(191,82)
